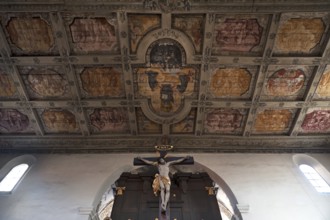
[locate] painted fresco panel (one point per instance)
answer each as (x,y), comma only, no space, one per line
(59,121)
(43,83)
(316,121)
(109,120)
(187,125)
(165,79)
(193,26)
(31,35)
(323,88)
(239,34)
(285,82)
(102,82)
(224,120)
(7,86)
(94,35)
(299,35)
(230,82)
(145,125)
(273,121)
(166,89)
(139,25)
(13,121)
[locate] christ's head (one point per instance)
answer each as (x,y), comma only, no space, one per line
(162,161)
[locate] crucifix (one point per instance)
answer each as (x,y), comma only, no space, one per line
(162,181)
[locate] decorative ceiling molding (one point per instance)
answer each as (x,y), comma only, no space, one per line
(116,76)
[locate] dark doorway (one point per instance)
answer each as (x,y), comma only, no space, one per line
(191,198)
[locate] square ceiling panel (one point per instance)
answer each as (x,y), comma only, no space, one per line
(207,75)
(287,82)
(45,82)
(301,34)
(92,34)
(240,34)
(29,34)
(101,81)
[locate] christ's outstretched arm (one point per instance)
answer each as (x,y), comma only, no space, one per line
(178,161)
(148,161)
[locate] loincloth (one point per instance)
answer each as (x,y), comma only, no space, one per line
(156,184)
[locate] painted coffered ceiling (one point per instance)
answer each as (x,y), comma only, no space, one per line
(123,76)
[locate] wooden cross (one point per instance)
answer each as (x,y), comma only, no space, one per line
(162,179)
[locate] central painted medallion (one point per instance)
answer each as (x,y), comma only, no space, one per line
(166,80)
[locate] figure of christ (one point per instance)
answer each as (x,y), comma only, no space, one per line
(162,180)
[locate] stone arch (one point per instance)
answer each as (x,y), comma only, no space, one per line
(196,168)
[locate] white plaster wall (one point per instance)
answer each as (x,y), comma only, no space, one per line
(58,185)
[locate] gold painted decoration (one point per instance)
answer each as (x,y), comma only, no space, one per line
(59,121)
(193,26)
(31,35)
(187,125)
(323,89)
(299,35)
(102,81)
(165,88)
(224,120)
(273,120)
(166,79)
(109,120)
(7,87)
(230,82)
(94,35)
(285,82)
(47,83)
(139,25)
